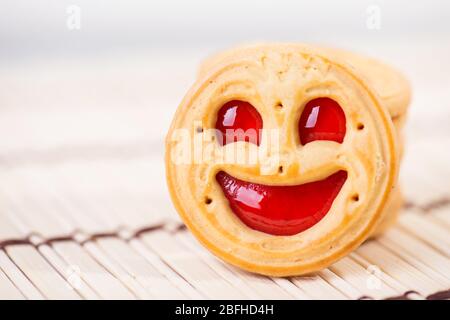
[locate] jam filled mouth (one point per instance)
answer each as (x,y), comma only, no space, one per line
(281,210)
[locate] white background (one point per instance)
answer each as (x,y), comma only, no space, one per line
(31,28)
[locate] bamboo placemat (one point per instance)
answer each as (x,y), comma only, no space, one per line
(84,211)
(89,228)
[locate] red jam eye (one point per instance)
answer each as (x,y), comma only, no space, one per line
(322,119)
(239,121)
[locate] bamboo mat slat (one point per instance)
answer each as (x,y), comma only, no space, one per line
(69,273)
(376,276)
(347,288)
(317,288)
(188,266)
(399,269)
(410,247)
(7,289)
(139,268)
(359,277)
(18,278)
(422,228)
(90,272)
(174,278)
(253,287)
(85,214)
(40,272)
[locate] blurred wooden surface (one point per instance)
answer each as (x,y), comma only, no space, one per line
(84,211)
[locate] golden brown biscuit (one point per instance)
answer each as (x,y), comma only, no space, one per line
(313,193)
(392,210)
(391,86)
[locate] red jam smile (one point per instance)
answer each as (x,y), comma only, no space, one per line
(281,210)
(322,119)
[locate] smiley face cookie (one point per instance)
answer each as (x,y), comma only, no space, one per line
(282,158)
